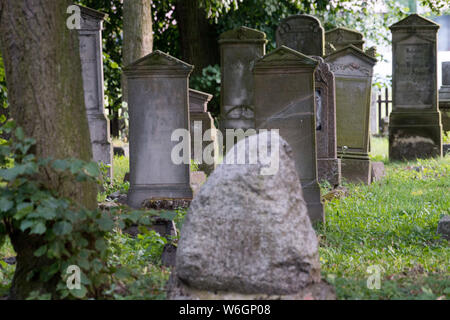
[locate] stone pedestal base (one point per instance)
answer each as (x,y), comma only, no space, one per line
(138,194)
(329,170)
(356,170)
(311,194)
(444,108)
(415,135)
(101,144)
(178,290)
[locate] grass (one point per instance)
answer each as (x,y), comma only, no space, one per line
(390,224)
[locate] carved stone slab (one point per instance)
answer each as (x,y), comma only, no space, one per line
(239,48)
(158,105)
(284,100)
(303,33)
(414,123)
(353,70)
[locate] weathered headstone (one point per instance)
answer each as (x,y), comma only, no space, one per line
(444,96)
(378,171)
(284,100)
(415,122)
(353,70)
(444,227)
(328,165)
(239,48)
(90,38)
(241,242)
(303,33)
(374,126)
(341,37)
(158,102)
(202,123)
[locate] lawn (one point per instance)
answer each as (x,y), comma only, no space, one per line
(388,226)
(391,226)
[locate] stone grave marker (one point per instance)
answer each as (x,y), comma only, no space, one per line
(201,120)
(249,243)
(239,48)
(341,37)
(414,123)
(90,38)
(158,102)
(303,33)
(353,70)
(328,164)
(444,96)
(284,100)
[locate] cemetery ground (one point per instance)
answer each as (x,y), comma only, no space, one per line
(390,224)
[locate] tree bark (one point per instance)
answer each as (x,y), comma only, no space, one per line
(45,93)
(137,34)
(197,35)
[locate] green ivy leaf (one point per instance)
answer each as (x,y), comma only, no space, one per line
(168,215)
(39,228)
(26,224)
(92,169)
(105,224)
(41,251)
(23,209)
(5,204)
(62,228)
(79,293)
(20,135)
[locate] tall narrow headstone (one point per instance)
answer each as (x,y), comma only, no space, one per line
(444,96)
(415,122)
(303,33)
(353,70)
(239,48)
(202,128)
(341,37)
(328,165)
(284,100)
(158,102)
(90,38)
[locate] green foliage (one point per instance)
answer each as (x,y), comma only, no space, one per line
(446,137)
(391,223)
(68,234)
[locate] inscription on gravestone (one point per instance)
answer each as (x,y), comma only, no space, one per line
(414,123)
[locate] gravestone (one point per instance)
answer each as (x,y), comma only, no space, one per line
(239,48)
(158,101)
(284,100)
(328,165)
(90,38)
(444,96)
(249,243)
(353,70)
(201,121)
(339,38)
(303,33)
(415,122)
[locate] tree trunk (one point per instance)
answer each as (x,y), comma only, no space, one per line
(197,35)
(45,93)
(137,34)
